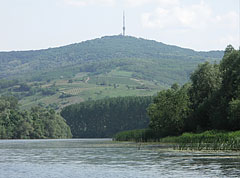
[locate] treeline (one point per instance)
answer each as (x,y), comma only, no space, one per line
(23,89)
(104,118)
(36,123)
(211,101)
(7,83)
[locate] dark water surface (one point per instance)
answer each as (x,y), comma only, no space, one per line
(102,158)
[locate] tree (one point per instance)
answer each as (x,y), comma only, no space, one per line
(106,117)
(206,81)
(24,87)
(234,114)
(230,68)
(36,123)
(175,86)
(228,50)
(169,111)
(227,97)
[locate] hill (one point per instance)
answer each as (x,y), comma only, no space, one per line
(109,52)
(99,68)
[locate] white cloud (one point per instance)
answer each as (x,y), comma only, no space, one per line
(192,24)
(159,18)
(89,2)
(197,16)
(175,15)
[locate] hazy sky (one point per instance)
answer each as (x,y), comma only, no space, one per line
(195,24)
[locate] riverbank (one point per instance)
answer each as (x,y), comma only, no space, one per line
(208,140)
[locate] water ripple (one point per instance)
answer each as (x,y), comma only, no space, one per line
(98,158)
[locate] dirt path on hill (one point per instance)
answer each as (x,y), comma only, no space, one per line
(86,81)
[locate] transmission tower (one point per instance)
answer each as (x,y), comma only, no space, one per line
(124,28)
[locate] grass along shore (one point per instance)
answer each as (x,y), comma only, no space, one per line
(208,140)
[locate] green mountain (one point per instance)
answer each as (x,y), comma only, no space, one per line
(105,67)
(145,58)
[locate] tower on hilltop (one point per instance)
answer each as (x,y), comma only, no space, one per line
(124,28)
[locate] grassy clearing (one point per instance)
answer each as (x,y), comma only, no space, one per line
(119,73)
(110,80)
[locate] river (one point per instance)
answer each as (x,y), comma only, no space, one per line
(102,158)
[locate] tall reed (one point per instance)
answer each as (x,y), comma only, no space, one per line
(208,140)
(141,135)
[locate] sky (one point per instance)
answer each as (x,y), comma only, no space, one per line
(202,25)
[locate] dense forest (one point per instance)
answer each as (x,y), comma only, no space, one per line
(210,101)
(104,118)
(36,123)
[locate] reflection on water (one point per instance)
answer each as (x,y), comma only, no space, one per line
(96,158)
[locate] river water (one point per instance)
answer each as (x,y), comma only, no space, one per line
(102,158)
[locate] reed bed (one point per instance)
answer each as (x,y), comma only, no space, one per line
(208,140)
(140,135)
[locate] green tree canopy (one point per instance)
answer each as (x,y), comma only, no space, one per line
(169,110)
(37,123)
(106,117)
(206,81)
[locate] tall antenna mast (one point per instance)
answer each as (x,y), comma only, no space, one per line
(124,28)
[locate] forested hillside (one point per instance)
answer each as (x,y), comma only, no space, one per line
(106,67)
(146,59)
